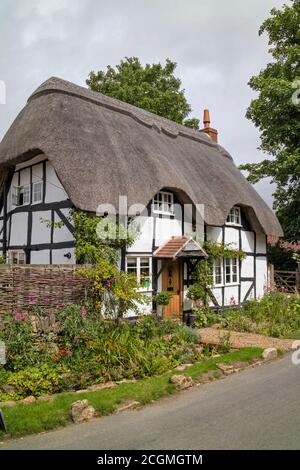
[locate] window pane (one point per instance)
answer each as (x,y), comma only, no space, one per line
(218,271)
(131,263)
(27,195)
(237,216)
(145,272)
(37,192)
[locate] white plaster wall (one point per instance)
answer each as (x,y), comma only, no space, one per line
(62,234)
(18,229)
(245,285)
(248,267)
(40,232)
(37,173)
(232,237)
(144,309)
(231,292)
(187,303)
(25,176)
(217,291)
(261,275)
(215,234)
(188,230)
(247,241)
(54,189)
(261,243)
(40,257)
(143,244)
(59,258)
(165,229)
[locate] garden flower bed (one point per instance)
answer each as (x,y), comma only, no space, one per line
(73,348)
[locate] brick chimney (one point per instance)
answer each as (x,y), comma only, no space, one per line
(213,133)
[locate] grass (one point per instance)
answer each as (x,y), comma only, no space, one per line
(43,416)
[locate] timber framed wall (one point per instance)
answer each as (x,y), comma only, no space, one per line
(51,285)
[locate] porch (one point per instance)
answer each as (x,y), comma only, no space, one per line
(176,259)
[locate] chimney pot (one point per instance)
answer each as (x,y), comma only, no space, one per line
(213,133)
(206,118)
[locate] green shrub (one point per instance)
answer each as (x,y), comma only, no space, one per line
(276,314)
(34,381)
(163,297)
(204,317)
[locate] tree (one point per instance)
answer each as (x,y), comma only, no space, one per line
(153,88)
(276,112)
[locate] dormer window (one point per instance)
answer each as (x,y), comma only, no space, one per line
(163,203)
(21,195)
(234,216)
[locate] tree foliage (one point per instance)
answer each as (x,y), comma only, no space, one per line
(276,113)
(153,88)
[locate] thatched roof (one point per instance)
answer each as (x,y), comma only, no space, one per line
(102,148)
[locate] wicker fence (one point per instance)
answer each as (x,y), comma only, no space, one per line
(51,285)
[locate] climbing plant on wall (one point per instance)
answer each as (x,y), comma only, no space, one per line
(203,272)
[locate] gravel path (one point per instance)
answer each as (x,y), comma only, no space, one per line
(243,340)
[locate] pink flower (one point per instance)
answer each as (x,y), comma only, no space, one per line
(18,316)
(46,301)
(58,307)
(32,299)
(199,303)
(69,353)
(84,312)
(108,283)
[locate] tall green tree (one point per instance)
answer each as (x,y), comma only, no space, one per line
(153,87)
(276,112)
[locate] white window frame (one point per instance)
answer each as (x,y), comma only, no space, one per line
(138,270)
(20,256)
(220,262)
(36,201)
(164,195)
(234,216)
(15,195)
(233,264)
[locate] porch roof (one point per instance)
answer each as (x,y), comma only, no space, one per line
(180,246)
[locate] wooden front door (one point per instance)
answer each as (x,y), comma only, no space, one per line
(171,282)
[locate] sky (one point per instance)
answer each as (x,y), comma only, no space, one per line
(215,43)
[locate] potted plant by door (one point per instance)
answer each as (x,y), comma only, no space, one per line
(162,298)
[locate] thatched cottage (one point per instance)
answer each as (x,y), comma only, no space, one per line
(70,147)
